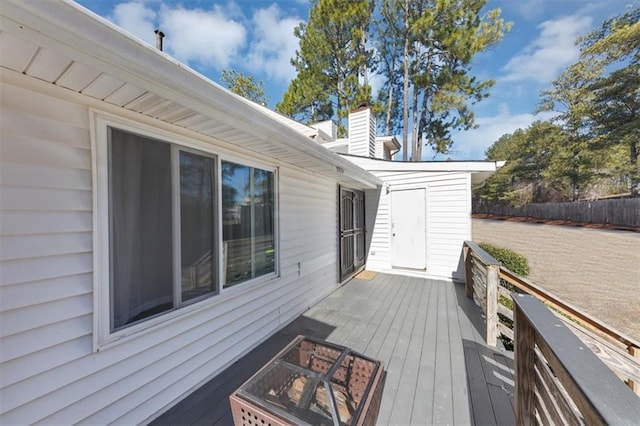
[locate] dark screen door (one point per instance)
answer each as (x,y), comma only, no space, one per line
(352,229)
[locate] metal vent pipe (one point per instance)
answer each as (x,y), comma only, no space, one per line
(159,37)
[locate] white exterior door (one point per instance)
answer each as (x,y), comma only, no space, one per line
(408,228)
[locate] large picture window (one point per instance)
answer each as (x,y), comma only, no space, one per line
(248,223)
(175,226)
(162,226)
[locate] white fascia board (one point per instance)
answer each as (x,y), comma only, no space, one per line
(336,144)
(308,131)
(389,141)
(373,164)
(81,35)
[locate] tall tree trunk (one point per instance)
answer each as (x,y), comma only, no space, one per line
(423,121)
(635,172)
(365,73)
(575,178)
(405,95)
(414,125)
(387,121)
(338,117)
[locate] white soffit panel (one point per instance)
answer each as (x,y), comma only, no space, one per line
(48,66)
(144,102)
(77,77)
(16,53)
(103,86)
(124,95)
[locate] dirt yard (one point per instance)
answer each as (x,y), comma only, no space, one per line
(595,269)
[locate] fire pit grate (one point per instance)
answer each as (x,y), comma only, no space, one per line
(311,382)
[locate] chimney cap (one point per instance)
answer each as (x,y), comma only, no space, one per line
(362,105)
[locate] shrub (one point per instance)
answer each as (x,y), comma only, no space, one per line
(515,262)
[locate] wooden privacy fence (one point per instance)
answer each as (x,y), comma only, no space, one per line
(485,281)
(623,212)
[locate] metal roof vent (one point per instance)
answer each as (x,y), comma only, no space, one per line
(159,37)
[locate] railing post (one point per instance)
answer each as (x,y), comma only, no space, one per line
(524,352)
(468,276)
(491,308)
(634,352)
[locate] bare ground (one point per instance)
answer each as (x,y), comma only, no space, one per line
(595,269)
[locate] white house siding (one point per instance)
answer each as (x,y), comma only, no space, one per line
(48,370)
(448,221)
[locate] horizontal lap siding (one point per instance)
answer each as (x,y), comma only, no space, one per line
(448,219)
(46,283)
(448,223)
(378,223)
(49,371)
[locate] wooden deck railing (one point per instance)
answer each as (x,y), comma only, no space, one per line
(484,281)
(557,381)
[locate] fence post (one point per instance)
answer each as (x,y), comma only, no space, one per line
(524,352)
(468,276)
(491,308)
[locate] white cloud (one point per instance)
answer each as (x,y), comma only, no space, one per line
(529,9)
(472,144)
(550,53)
(273,43)
(209,38)
(206,38)
(136,18)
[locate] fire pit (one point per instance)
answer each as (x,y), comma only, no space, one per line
(311,382)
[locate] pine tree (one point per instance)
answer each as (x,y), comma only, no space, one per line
(570,96)
(332,62)
(616,96)
(440,38)
(244,85)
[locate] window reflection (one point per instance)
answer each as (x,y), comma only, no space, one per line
(196,225)
(248,225)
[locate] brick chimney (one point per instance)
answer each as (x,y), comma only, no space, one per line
(362,132)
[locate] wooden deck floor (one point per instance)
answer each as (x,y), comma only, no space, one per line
(426,332)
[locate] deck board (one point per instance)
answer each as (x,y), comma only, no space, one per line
(423,400)
(403,402)
(458,367)
(442,397)
(427,333)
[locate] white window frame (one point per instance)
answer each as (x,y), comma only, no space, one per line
(253,260)
(103,337)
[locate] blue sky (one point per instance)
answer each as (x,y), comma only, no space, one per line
(256,37)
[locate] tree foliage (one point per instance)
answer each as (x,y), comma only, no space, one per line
(529,174)
(331,63)
(575,160)
(424,51)
(615,98)
(244,85)
(445,36)
(591,145)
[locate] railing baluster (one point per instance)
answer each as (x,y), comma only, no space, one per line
(491,308)
(619,352)
(468,275)
(524,353)
(589,385)
(634,352)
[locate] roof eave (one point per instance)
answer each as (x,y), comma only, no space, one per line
(375,164)
(82,35)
